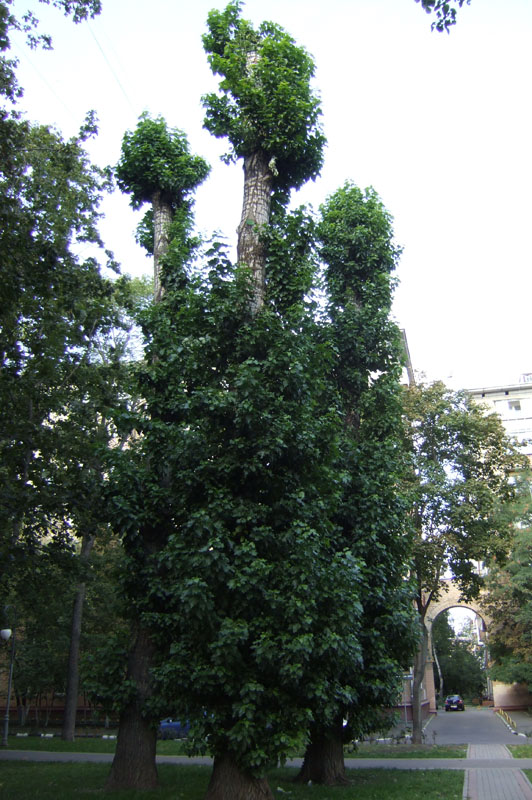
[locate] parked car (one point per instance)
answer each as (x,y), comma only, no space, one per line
(173,729)
(454,703)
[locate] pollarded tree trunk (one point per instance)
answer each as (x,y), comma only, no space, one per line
(162,219)
(324,758)
(134,764)
(258,179)
(71,700)
(229,782)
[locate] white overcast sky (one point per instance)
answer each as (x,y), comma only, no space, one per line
(440,125)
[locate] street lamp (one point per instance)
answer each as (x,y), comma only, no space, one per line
(5,635)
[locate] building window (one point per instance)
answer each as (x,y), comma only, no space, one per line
(514,405)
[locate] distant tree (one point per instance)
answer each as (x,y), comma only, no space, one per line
(445,11)
(463,494)
(509,604)
(460,666)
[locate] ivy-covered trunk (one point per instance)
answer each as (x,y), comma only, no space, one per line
(71,700)
(134,764)
(255,216)
(420,662)
(324,758)
(229,782)
(162,219)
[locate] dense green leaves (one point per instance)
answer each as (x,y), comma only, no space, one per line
(463,490)
(157,159)
(265,102)
(460,660)
(509,604)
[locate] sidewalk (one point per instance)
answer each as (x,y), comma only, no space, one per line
(494,783)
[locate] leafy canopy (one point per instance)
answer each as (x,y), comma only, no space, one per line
(463,486)
(156,158)
(265,101)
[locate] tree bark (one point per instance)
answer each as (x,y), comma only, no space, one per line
(162,219)
(229,782)
(72,688)
(324,758)
(420,662)
(440,676)
(134,764)
(258,180)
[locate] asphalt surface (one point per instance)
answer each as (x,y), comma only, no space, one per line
(476,726)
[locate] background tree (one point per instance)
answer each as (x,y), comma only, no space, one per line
(270,116)
(463,499)
(509,604)
(460,662)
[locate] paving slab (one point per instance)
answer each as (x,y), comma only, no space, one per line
(496,784)
(491,782)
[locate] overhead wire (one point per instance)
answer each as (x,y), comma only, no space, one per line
(111,69)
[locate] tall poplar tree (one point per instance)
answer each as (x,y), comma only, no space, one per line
(157,167)
(359,256)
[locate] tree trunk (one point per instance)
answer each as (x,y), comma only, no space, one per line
(162,219)
(440,676)
(229,782)
(324,758)
(72,687)
(420,662)
(256,208)
(134,764)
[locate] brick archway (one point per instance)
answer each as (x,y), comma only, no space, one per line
(504,695)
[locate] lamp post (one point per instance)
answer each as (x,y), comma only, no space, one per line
(5,635)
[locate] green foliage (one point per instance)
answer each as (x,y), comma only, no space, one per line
(463,490)
(461,667)
(509,604)
(445,12)
(265,101)
(54,309)
(244,593)
(156,158)
(356,244)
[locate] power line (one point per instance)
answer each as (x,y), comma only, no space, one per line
(115,76)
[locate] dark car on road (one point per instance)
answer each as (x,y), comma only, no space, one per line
(173,729)
(454,703)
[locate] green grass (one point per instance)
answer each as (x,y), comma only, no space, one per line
(166,747)
(520,750)
(408,751)
(32,781)
(176,747)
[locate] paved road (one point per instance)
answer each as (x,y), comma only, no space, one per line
(472,726)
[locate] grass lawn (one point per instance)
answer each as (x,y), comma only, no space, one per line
(32,781)
(520,750)
(176,747)
(408,751)
(166,747)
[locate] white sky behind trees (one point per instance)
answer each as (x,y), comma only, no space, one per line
(440,125)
